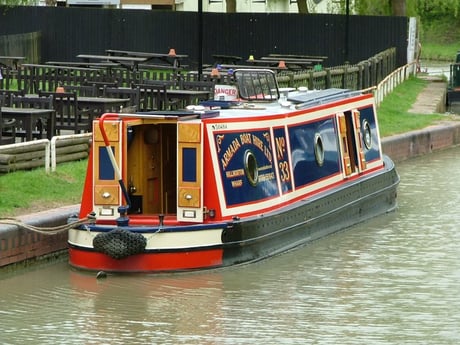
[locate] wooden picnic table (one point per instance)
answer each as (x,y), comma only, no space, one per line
(29,116)
(93,106)
(129,62)
(173,60)
(314,58)
(225,67)
(276,63)
(83,64)
(188,97)
(57,67)
(13,59)
(41,73)
(290,63)
(226,59)
(101,105)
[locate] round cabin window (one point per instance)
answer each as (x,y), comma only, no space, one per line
(250,168)
(319,150)
(367,134)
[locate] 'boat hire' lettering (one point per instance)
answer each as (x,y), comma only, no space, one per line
(230,152)
(245,138)
(258,143)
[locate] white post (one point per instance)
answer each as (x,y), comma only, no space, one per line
(411,42)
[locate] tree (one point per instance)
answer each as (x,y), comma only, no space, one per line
(398,7)
(302,6)
(16,2)
(231,6)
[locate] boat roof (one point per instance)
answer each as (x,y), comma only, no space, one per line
(259,95)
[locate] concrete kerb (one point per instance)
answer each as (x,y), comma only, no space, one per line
(20,246)
(415,143)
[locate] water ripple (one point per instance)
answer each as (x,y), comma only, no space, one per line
(391,280)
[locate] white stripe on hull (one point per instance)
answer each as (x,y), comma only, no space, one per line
(159,240)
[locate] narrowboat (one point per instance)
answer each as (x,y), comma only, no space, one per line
(252,173)
(453,85)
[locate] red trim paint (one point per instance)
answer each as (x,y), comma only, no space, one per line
(147,262)
(86,206)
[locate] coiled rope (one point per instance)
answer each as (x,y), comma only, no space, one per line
(48,230)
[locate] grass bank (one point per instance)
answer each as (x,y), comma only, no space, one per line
(35,190)
(394,116)
(30,191)
(440,39)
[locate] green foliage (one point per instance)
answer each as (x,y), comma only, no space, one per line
(425,9)
(18,2)
(372,7)
(439,26)
(432,9)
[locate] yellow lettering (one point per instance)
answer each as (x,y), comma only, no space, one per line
(245,138)
(230,152)
(237,183)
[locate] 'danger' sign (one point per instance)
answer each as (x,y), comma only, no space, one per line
(225,92)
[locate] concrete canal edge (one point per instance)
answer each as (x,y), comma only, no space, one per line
(412,144)
(21,247)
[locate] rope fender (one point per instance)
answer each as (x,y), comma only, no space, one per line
(47,230)
(119,243)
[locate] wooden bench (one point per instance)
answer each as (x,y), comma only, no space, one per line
(129,62)
(226,59)
(313,58)
(15,60)
(169,59)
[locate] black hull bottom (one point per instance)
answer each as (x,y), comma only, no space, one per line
(270,234)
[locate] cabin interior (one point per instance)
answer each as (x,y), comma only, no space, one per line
(151,168)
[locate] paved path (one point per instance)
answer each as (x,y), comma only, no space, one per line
(432,99)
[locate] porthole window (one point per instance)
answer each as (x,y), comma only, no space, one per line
(367,136)
(250,168)
(319,150)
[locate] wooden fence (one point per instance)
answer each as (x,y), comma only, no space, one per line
(363,75)
(44,153)
(24,44)
(392,80)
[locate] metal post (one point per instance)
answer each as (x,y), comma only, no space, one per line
(347,29)
(200,38)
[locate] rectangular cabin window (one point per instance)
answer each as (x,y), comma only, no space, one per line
(106,171)
(189,173)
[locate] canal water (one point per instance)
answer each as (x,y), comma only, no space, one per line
(392,280)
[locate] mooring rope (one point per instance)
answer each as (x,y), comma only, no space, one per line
(47,230)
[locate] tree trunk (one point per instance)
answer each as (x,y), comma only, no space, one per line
(398,7)
(231,6)
(302,6)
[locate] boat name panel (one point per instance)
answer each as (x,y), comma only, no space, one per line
(246,165)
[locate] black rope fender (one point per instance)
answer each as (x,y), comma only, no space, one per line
(119,243)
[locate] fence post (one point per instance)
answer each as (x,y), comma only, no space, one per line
(72,153)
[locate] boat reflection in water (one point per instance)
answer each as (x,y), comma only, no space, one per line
(231,182)
(185,301)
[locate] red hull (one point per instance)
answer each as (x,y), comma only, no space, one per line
(148,262)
